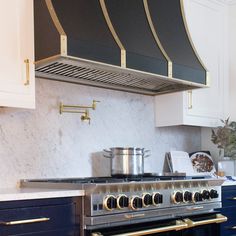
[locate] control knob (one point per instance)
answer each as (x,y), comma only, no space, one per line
(136,202)
(110,202)
(177,197)
(146,199)
(157,199)
(122,201)
(188,196)
(206,194)
(197,197)
(214,193)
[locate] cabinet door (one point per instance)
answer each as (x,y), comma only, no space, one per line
(206,106)
(201,107)
(17,80)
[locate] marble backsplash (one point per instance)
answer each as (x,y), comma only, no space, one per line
(42,143)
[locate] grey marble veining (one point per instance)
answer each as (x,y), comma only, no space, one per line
(42,143)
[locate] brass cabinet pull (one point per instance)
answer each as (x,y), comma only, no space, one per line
(232,228)
(19,222)
(231,198)
(179,225)
(219,219)
(190,99)
(27,63)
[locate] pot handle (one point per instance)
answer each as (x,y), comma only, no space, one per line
(147,151)
(105,150)
(145,156)
(109,152)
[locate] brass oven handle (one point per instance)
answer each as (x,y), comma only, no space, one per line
(179,225)
(27,63)
(219,219)
(19,222)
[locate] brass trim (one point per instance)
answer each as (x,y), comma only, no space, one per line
(27,63)
(174,195)
(179,225)
(58,26)
(208,79)
(158,42)
(132,216)
(118,198)
(190,99)
(219,219)
(153,202)
(195,208)
(191,41)
(47,60)
(29,221)
(113,32)
(105,202)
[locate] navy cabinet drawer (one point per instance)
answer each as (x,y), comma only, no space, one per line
(64,232)
(38,218)
(228,196)
(227,227)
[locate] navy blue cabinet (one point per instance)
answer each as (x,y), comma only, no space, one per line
(39,217)
(229,209)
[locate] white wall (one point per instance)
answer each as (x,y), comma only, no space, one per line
(42,143)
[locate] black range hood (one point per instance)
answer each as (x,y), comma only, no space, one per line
(140,46)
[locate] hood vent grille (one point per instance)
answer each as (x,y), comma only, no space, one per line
(115,78)
(69,50)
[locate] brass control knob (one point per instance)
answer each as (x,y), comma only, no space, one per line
(136,202)
(188,196)
(177,197)
(122,201)
(197,197)
(214,194)
(146,199)
(206,194)
(157,199)
(110,202)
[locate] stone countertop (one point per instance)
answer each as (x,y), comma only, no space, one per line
(15,194)
(229,183)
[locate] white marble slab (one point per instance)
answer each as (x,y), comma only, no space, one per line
(41,143)
(13,194)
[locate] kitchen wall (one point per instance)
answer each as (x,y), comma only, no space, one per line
(42,143)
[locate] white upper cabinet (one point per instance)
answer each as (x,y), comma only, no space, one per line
(207,21)
(232,56)
(17,78)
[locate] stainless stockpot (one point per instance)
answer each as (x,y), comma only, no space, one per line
(126,161)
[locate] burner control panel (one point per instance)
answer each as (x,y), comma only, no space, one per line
(194,196)
(134,202)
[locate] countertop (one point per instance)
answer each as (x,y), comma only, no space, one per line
(229,183)
(14,194)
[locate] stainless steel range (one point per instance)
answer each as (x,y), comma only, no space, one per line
(110,203)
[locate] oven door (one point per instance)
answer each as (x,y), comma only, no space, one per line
(204,225)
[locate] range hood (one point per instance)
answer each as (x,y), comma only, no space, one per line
(140,46)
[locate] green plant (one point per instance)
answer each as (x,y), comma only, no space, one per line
(225,138)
